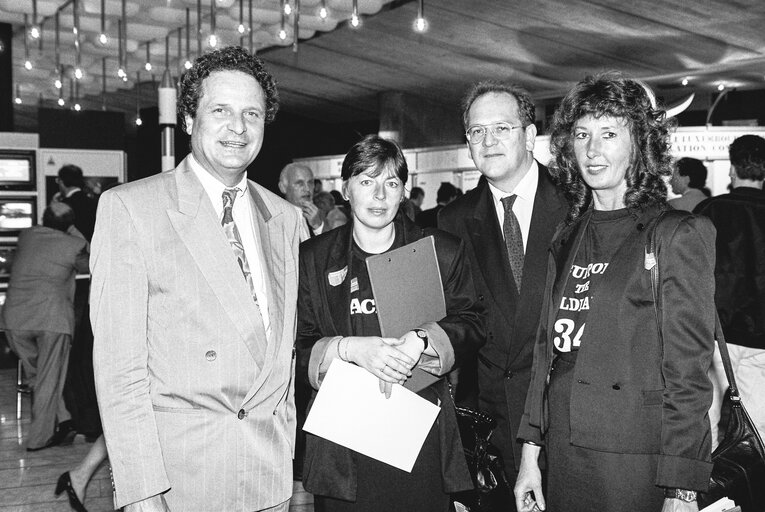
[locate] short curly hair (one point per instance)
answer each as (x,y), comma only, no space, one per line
(230,58)
(612,94)
(747,156)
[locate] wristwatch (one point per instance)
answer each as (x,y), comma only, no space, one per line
(680,494)
(423,335)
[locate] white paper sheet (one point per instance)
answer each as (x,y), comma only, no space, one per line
(350,410)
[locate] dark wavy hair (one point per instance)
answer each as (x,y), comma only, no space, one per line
(374,152)
(231,58)
(611,94)
(747,156)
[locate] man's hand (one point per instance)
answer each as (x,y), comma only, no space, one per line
(312,214)
(156,503)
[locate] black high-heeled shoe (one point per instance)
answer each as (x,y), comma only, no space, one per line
(65,484)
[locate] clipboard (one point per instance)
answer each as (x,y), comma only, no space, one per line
(406,284)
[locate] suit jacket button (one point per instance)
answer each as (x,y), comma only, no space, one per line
(241,414)
(509,374)
(616,387)
(211,355)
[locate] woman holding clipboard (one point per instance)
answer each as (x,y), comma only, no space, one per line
(337,320)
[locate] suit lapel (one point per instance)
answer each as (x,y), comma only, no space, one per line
(269,223)
(548,210)
(339,296)
(197,226)
(490,250)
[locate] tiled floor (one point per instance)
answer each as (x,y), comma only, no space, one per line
(27,480)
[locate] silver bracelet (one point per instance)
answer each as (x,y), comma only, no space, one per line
(338,350)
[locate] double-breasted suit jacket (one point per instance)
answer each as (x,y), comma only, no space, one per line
(512,316)
(194,396)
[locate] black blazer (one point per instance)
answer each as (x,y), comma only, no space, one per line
(84,213)
(504,363)
(631,393)
(740,293)
(323,313)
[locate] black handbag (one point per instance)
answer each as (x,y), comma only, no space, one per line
(738,470)
(491,490)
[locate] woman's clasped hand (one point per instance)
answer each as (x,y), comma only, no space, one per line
(389,359)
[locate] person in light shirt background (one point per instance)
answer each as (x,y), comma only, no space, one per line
(689,179)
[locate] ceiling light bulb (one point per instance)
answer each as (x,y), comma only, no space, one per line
(57,83)
(78,73)
(138,121)
(77,107)
(121,73)
(147,66)
(28,64)
(420,24)
(124,78)
(17,100)
(213,40)
(720,87)
(355,21)
(685,81)
(74,30)
(287,8)
(282,34)
(34,32)
(103,39)
(61,102)
(240,28)
(323,13)
(187,64)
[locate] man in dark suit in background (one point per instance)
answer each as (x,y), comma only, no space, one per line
(445,195)
(71,186)
(39,316)
(507,223)
(739,218)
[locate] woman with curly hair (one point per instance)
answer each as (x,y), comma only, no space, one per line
(619,398)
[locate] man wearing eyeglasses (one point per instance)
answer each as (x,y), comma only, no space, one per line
(507,223)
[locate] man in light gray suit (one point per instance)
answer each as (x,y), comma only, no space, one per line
(193,310)
(38,316)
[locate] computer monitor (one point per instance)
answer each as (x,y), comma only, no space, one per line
(7,253)
(17,213)
(17,170)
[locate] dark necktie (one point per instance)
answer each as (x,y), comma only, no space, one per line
(232,233)
(513,240)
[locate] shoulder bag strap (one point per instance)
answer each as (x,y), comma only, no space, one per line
(652,262)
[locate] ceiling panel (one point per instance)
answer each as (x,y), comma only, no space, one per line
(338,72)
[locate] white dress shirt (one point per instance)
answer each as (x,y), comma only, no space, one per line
(245,224)
(526,190)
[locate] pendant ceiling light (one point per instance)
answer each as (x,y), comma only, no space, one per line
(102,36)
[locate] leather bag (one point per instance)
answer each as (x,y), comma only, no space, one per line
(739,461)
(491,490)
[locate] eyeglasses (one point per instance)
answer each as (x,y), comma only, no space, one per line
(500,131)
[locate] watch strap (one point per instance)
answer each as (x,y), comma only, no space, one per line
(423,335)
(680,494)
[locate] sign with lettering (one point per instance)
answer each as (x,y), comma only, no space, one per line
(708,143)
